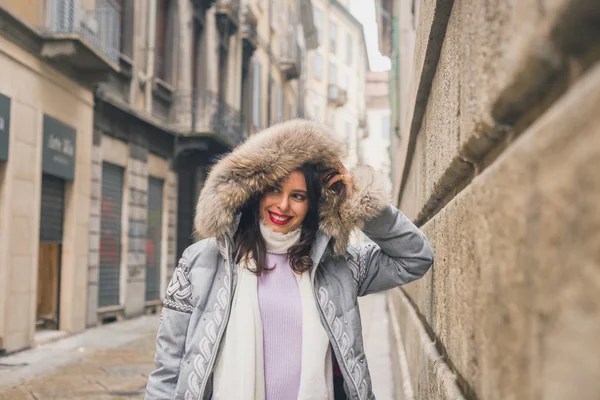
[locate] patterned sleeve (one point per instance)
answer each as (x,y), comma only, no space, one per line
(401,253)
(178,296)
(172,332)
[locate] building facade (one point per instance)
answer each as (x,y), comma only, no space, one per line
(336,74)
(47,127)
(496,144)
(375,144)
(111,114)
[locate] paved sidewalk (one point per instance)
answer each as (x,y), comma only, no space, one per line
(374,316)
(113,361)
(109,362)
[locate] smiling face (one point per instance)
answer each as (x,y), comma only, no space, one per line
(284,207)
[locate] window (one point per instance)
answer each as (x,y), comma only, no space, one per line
(164,33)
(318,21)
(126,26)
(349,46)
(317,65)
(332,37)
(256,96)
(332,73)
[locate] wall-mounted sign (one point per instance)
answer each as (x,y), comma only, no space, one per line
(4,126)
(59,149)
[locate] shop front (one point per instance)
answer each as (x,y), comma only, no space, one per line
(58,170)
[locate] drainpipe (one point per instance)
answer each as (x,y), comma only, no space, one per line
(151,40)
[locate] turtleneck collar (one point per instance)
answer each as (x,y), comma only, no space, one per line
(279,243)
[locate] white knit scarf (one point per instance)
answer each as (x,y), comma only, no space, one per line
(239,373)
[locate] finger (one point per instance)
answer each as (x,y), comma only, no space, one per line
(336,178)
(328,174)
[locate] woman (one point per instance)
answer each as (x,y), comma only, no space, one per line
(266,306)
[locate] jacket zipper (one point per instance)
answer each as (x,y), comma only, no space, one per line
(333,341)
(222,327)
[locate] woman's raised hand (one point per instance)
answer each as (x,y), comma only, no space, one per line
(340,175)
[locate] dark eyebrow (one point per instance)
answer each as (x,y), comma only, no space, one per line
(304,192)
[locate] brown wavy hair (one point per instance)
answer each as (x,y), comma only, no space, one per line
(248,241)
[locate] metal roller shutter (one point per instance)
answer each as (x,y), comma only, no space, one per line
(53,204)
(110,235)
(153,238)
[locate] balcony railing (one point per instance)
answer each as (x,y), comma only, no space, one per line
(336,95)
(290,55)
(202,112)
(100,26)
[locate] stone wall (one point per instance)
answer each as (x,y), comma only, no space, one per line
(502,174)
(171,225)
(137,186)
(95,214)
(27,82)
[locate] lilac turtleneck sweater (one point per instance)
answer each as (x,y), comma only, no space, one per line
(281,313)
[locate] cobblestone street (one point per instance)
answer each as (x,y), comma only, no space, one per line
(113,361)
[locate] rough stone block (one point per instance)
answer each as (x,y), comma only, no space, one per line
(485,47)
(414,192)
(496,35)
(421,372)
(512,297)
(441,119)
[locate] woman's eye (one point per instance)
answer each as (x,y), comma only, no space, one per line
(299,197)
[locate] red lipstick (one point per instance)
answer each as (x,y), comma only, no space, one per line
(279,219)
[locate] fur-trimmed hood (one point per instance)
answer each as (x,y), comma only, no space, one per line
(272,154)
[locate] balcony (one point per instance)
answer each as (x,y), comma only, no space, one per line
(228,15)
(249,32)
(202,113)
(86,39)
(290,55)
(336,96)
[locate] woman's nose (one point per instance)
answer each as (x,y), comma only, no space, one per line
(284,203)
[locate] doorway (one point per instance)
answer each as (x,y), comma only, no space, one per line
(49,255)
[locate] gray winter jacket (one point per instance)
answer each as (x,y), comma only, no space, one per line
(198,299)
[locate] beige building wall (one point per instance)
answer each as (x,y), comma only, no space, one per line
(350,74)
(127,138)
(273,24)
(502,136)
(36,89)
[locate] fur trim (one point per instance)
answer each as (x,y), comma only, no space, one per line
(272,154)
